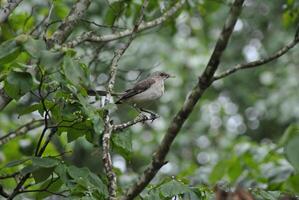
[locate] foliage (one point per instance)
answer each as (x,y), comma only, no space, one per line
(234,137)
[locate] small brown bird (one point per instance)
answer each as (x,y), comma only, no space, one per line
(146,90)
(143,92)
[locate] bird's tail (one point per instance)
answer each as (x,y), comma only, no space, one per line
(91,92)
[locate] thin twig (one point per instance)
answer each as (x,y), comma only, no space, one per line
(45,189)
(140,118)
(176,124)
(20,131)
(18,187)
(3,193)
(43,148)
(46,117)
(259,62)
(101,25)
(92,37)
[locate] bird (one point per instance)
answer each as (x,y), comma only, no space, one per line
(146,90)
(143,92)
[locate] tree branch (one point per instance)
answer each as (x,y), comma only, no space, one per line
(107,159)
(176,124)
(66,27)
(92,37)
(108,126)
(20,131)
(140,118)
(8,9)
(259,62)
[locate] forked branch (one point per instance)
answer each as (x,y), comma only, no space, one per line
(260,62)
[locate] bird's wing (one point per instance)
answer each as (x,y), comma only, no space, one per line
(138,88)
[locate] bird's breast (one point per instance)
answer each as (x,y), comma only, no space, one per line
(152,93)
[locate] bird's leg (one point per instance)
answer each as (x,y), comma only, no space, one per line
(140,110)
(153,115)
(136,108)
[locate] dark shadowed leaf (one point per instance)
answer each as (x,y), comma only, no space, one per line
(42,174)
(18,83)
(61,171)
(9,51)
(29,109)
(52,185)
(44,162)
(29,169)
(78,173)
(50,60)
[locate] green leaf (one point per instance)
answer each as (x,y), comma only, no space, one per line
(55,185)
(77,130)
(15,163)
(9,51)
(289,133)
(122,143)
(152,196)
(293,183)
(291,150)
(44,162)
(34,47)
(18,83)
(29,169)
(78,173)
(50,60)
(173,188)
(218,171)
(91,113)
(29,109)
(114,11)
(97,182)
(42,174)
(61,171)
(235,168)
(266,195)
(191,196)
(73,71)
(60,9)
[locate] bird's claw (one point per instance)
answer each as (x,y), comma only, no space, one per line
(154,116)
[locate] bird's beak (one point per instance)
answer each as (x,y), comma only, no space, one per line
(171,76)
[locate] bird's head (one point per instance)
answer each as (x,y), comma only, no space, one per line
(161,75)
